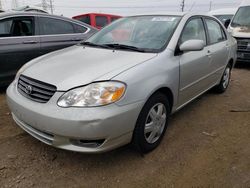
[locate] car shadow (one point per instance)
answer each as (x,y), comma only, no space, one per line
(240,65)
(3,89)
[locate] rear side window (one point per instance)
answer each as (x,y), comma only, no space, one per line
(215,31)
(50,26)
(194,30)
(16,27)
(80,29)
(101,21)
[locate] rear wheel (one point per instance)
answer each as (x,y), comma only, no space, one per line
(225,80)
(152,123)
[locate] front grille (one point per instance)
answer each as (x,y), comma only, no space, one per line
(243,44)
(35,90)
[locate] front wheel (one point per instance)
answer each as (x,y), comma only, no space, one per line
(151,123)
(225,80)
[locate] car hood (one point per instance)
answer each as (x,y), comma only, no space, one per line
(78,65)
(241,32)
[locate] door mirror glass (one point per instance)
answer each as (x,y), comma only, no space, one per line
(192,45)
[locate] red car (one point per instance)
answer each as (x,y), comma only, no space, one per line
(97,20)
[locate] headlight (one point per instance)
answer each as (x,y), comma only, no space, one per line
(95,94)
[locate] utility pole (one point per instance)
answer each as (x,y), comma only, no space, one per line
(48,4)
(51,6)
(14,4)
(210,5)
(182,5)
(44,5)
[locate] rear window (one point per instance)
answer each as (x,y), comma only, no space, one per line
(50,26)
(101,21)
(84,19)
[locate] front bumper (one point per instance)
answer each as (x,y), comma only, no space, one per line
(68,128)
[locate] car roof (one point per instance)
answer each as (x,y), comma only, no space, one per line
(245,3)
(223,11)
(181,14)
(21,13)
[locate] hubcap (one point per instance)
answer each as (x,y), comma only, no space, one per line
(226,77)
(155,123)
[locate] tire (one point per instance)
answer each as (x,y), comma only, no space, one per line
(151,124)
(225,80)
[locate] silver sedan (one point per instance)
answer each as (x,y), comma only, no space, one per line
(121,85)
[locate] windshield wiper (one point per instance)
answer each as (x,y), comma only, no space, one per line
(126,47)
(95,45)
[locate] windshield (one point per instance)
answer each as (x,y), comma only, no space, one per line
(242,17)
(150,33)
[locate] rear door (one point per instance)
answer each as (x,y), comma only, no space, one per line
(18,44)
(194,65)
(57,33)
(219,48)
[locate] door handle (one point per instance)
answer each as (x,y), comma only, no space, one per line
(209,54)
(30,42)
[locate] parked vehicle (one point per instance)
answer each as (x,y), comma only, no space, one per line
(223,14)
(105,93)
(24,36)
(97,20)
(240,29)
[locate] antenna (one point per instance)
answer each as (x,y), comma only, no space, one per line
(182,5)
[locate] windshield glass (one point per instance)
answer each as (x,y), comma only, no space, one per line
(150,33)
(242,17)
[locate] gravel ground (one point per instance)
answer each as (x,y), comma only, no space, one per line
(207,144)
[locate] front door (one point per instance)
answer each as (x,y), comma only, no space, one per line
(195,66)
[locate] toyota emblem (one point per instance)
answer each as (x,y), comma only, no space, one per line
(28,89)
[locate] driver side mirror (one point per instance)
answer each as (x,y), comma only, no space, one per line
(192,45)
(227,22)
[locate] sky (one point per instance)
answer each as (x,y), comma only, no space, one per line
(71,8)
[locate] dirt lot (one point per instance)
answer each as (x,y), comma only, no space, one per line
(207,145)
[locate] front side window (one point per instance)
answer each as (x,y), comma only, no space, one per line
(16,27)
(242,17)
(194,30)
(215,31)
(101,21)
(151,33)
(50,26)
